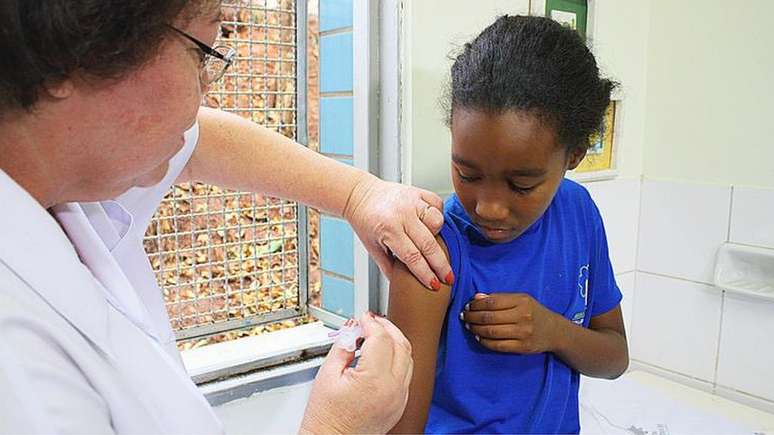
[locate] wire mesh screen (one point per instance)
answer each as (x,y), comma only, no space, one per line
(228,260)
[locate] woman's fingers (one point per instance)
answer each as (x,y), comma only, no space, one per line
(383,261)
(416,245)
(336,362)
(369,398)
(421,253)
(433,217)
(376,354)
(402,362)
(393,219)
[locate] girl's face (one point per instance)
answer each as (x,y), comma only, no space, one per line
(506,169)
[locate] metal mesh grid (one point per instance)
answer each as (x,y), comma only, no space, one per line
(224,259)
(261,85)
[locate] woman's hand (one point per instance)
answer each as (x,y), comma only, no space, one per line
(367,398)
(398,221)
(513,323)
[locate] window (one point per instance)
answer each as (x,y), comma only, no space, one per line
(233,264)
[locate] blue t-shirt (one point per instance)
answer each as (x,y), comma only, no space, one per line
(561,261)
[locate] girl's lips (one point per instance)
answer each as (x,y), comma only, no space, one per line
(495,233)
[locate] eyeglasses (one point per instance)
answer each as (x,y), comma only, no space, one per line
(216,60)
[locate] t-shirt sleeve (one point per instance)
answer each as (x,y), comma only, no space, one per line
(603,289)
(452,238)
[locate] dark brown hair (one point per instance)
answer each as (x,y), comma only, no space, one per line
(535,65)
(43,41)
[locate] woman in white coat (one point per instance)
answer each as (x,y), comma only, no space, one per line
(99,116)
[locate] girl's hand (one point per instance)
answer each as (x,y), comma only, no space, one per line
(397,221)
(513,323)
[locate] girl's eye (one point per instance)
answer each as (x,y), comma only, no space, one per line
(466,179)
(519,189)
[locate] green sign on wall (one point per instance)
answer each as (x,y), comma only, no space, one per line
(570,13)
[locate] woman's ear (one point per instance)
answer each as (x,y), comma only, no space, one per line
(575,157)
(59,89)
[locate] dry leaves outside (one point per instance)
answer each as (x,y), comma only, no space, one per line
(223,256)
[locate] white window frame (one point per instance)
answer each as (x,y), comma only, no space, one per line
(239,368)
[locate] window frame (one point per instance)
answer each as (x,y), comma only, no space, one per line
(235,369)
(366,156)
(302,254)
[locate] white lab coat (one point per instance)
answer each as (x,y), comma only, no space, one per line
(85,341)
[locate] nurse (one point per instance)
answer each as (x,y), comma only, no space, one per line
(99,116)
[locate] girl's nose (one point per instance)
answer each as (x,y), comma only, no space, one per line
(491,210)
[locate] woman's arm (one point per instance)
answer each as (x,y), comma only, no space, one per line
(241,155)
(238,154)
(420,315)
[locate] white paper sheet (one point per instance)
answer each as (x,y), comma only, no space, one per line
(640,403)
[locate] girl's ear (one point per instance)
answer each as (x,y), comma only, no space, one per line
(574,158)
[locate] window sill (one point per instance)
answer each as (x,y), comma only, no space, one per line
(240,368)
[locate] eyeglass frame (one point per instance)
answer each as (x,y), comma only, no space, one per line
(210,51)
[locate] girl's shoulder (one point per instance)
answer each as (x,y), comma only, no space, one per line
(452,236)
(456,224)
(573,191)
(573,197)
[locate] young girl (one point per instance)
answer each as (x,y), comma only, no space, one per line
(534,303)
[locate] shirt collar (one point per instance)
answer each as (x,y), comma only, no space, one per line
(110,220)
(33,245)
(81,222)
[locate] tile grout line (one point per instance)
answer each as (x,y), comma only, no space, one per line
(663,275)
(637,255)
(720,337)
(722,297)
(666,372)
(686,379)
(730,214)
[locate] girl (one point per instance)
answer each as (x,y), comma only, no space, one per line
(535,303)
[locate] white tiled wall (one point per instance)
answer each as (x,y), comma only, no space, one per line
(677,322)
(746,357)
(752,217)
(746,354)
(681,228)
(619,203)
(676,325)
(626,284)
